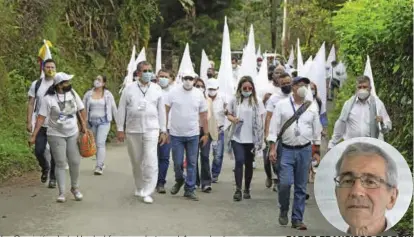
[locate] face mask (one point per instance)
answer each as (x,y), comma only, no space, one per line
(363,94)
(209,75)
(136,78)
(212,93)
(188,84)
(302,92)
(67,88)
(201,89)
(259,64)
(234,66)
(314,93)
(97,84)
(286,89)
(246,93)
(164,81)
(50,73)
(146,77)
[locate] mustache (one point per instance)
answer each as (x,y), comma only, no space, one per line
(358,203)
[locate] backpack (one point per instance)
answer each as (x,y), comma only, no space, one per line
(37,86)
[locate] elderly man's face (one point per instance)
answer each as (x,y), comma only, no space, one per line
(358,205)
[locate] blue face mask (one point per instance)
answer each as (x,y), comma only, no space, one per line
(246,93)
(164,81)
(146,77)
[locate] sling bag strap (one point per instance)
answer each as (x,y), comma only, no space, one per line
(294,117)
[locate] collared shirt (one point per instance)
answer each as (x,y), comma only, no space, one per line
(218,110)
(386,232)
(185,108)
(308,124)
(141,108)
(358,123)
(277,96)
(44,86)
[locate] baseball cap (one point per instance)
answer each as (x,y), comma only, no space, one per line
(61,77)
(259,59)
(296,80)
(189,74)
(212,84)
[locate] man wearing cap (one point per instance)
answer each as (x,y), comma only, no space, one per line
(216,119)
(188,107)
(36,93)
(296,149)
(141,114)
(259,63)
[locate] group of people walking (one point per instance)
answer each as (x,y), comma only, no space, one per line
(190,119)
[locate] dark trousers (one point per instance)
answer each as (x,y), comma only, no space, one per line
(268,165)
(243,157)
(335,83)
(203,155)
(40,147)
(163,163)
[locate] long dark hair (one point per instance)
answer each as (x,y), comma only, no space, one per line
(202,82)
(240,97)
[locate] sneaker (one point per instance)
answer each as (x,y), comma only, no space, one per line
(77,194)
(275,182)
(207,189)
(214,180)
(283,218)
(148,199)
(176,188)
(268,183)
(138,193)
(191,196)
(61,198)
(246,194)
(52,183)
(237,196)
(43,177)
(299,225)
(161,189)
(98,171)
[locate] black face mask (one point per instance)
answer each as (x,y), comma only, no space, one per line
(286,89)
(209,75)
(67,88)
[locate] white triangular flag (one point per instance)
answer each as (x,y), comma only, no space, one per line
(225,75)
(48,55)
(291,57)
(368,73)
(249,60)
(262,82)
(158,59)
(317,75)
(259,52)
(186,64)
(299,58)
(204,66)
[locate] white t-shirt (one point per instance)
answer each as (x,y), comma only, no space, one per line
(44,86)
(185,108)
(245,113)
(165,92)
(61,110)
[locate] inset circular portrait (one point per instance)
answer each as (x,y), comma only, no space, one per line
(363,186)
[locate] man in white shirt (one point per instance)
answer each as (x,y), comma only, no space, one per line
(336,76)
(36,93)
(282,92)
(363,115)
(141,112)
(216,121)
(296,149)
(236,69)
(166,81)
(363,204)
(188,107)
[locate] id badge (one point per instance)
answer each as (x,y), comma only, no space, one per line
(142,105)
(297,132)
(61,119)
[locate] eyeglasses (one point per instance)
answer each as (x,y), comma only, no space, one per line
(147,70)
(247,88)
(367,180)
(199,86)
(188,79)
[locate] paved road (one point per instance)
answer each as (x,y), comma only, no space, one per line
(109,207)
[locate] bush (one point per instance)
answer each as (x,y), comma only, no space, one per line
(382,29)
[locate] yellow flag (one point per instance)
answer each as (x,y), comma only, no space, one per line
(44,52)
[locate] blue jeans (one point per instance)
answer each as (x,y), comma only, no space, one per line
(163,162)
(294,169)
(100,133)
(218,151)
(189,145)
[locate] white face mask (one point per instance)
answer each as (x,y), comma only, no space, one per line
(201,89)
(188,84)
(362,94)
(302,91)
(97,84)
(212,93)
(163,82)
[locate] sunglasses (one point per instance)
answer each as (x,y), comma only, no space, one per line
(247,88)
(147,70)
(188,79)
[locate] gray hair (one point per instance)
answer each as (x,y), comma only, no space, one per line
(366,148)
(141,64)
(363,79)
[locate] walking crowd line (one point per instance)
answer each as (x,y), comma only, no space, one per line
(190,119)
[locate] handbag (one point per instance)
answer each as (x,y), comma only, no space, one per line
(86,140)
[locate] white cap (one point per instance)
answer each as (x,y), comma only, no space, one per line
(60,77)
(212,84)
(189,74)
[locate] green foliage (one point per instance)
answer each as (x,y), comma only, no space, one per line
(383,30)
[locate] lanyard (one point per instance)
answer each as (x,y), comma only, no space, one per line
(61,106)
(294,110)
(144,92)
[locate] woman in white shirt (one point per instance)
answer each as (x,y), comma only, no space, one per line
(100,109)
(61,105)
(245,111)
